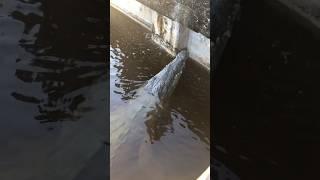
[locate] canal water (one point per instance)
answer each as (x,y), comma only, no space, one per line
(266,99)
(53,101)
(176,144)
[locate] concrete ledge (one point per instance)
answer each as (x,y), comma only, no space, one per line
(135,10)
(169,34)
(205,175)
(191,13)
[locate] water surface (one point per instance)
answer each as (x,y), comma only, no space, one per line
(175,145)
(53,89)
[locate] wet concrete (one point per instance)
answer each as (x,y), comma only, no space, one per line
(175,144)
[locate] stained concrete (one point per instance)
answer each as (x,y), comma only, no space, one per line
(195,14)
(178,24)
(166,32)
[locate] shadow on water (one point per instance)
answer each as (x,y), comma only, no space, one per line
(266,98)
(53,57)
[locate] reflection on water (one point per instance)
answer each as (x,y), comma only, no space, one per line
(59,66)
(53,70)
(173,142)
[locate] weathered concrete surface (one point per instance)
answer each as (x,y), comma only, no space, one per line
(168,33)
(191,13)
(224,14)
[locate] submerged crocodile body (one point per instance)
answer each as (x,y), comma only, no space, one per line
(128,132)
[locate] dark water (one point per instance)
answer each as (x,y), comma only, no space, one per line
(266,98)
(176,145)
(53,82)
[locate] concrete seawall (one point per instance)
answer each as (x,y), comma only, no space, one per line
(194,14)
(179,24)
(171,27)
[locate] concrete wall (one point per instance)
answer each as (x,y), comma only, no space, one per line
(171,28)
(194,14)
(178,24)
